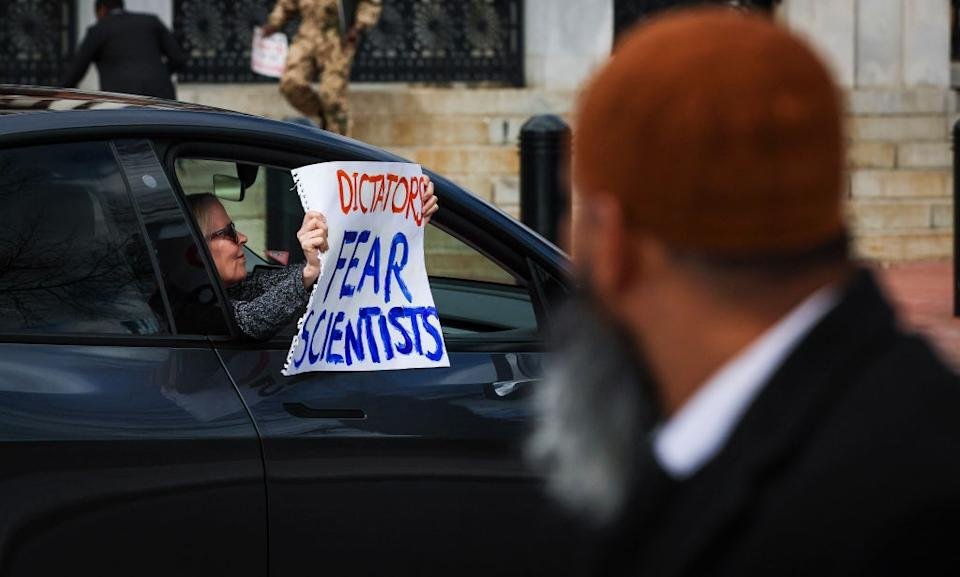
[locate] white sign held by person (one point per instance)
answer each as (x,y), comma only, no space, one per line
(269,54)
(371,309)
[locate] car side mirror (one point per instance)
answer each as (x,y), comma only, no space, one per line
(235,187)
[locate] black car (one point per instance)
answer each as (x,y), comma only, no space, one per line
(140,434)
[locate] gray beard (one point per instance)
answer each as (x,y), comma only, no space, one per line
(592,415)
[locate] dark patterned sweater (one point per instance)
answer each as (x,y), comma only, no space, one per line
(268,299)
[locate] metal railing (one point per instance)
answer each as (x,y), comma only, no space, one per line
(36,41)
(415,41)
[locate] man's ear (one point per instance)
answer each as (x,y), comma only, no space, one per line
(610,255)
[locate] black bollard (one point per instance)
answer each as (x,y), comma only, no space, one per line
(956,219)
(544,168)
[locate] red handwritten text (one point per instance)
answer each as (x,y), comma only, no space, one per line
(381,192)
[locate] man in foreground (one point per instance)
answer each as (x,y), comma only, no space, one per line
(735,397)
(134,53)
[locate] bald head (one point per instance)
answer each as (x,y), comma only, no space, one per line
(708,158)
(718,132)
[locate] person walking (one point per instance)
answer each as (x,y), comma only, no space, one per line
(736,396)
(134,53)
(324,47)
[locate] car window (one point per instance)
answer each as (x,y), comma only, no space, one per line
(72,255)
(191,291)
(449,257)
(271,232)
(473,293)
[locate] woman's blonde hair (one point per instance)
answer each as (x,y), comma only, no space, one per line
(200,207)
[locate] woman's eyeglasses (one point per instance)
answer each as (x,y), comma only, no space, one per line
(229,231)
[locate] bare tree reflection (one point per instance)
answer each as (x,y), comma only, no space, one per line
(71,254)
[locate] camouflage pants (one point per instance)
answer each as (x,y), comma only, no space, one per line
(328,59)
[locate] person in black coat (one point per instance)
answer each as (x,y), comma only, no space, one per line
(134,53)
(734,395)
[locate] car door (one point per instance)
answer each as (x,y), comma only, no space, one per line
(412,471)
(126,450)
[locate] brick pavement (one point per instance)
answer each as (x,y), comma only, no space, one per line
(923,293)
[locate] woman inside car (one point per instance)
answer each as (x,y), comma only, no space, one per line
(267,300)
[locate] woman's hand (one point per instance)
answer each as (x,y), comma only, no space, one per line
(313,240)
(430,204)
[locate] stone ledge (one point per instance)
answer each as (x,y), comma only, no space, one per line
(900,183)
(477,184)
(260,99)
(898,101)
(506,191)
(898,128)
(477,160)
(876,215)
(867,154)
(449,101)
(265,100)
(925,155)
(904,245)
(942,215)
(416,130)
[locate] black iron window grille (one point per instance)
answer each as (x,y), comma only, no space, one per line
(36,41)
(628,12)
(415,41)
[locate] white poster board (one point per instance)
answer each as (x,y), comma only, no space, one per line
(371,309)
(269,54)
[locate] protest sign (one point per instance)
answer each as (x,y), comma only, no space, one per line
(269,54)
(371,309)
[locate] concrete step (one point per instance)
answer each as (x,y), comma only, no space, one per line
(909,155)
(457,99)
(904,183)
(880,215)
(259,99)
(482,160)
(903,245)
(881,101)
(439,130)
(898,128)
(393,100)
(925,155)
(871,154)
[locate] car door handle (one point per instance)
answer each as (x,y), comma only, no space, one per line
(509,389)
(304,412)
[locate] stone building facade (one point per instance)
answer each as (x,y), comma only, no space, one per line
(892,58)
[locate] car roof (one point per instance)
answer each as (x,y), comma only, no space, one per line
(18,99)
(44,113)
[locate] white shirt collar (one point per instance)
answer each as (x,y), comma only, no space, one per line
(700,429)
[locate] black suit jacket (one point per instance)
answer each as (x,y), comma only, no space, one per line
(847,463)
(134,53)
